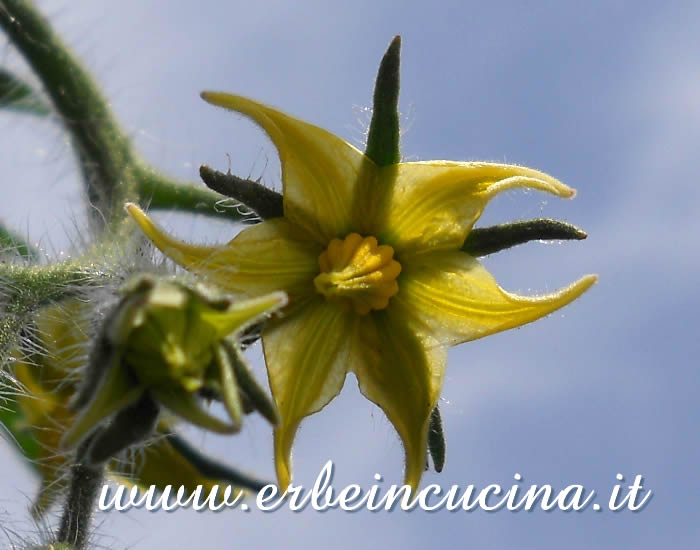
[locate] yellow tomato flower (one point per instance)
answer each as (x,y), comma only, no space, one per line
(370,258)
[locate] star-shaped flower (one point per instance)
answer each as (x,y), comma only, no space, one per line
(371,259)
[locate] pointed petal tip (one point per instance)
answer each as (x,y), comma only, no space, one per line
(144,222)
(180,252)
(573,291)
(283,458)
(567,192)
(224,99)
(136,212)
(206,95)
(413,475)
(587,281)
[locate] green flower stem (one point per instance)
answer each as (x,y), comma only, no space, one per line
(25,289)
(383,137)
(265,202)
(158,192)
(85,484)
(112,172)
(10,327)
(129,426)
(104,152)
(487,240)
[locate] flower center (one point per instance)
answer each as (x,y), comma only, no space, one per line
(358,274)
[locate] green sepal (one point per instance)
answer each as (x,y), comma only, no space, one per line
(228,385)
(249,386)
(117,391)
(186,406)
(383,137)
(487,240)
(436,440)
(265,202)
(212,469)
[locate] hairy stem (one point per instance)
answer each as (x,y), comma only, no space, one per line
(85,483)
(25,289)
(103,151)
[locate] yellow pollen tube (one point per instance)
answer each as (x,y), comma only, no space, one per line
(358,273)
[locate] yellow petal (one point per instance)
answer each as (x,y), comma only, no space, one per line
(434,204)
(403,376)
(306,355)
(178,251)
(35,399)
(319,170)
(453,295)
(259,260)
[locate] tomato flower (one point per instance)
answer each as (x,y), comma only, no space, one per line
(378,285)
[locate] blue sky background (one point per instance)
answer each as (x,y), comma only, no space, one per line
(603,95)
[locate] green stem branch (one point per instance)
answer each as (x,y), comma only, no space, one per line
(103,151)
(25,289)
(158,192)
(85,484)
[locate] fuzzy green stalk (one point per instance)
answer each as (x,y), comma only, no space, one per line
(26,289)
(112,172)
(85,484)
(159,192)
(103,151)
